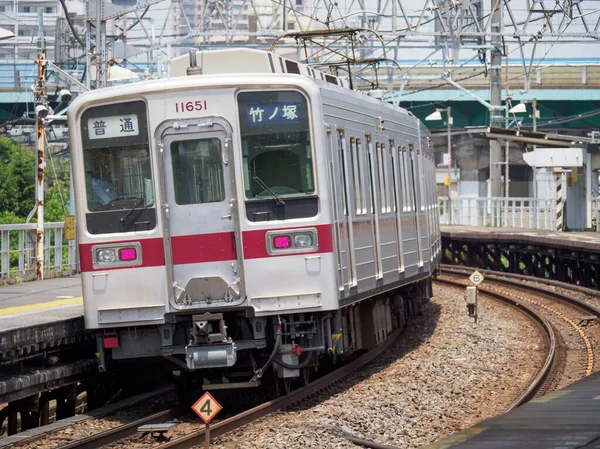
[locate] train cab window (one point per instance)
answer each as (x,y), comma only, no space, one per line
(276,144)
(198,171)
(119,188)
(118,178)
(277,155)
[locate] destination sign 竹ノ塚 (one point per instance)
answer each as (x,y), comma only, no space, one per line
(272,113)
(113,126)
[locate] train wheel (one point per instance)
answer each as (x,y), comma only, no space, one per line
(305,375)
(184,388)
(284,385)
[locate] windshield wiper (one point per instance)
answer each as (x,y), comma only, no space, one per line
(277,198)
(130,211)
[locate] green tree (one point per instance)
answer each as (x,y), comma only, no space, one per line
(17,178)
(18,167)
(56,196)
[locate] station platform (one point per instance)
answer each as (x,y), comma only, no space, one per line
(568,257)
(38,318)
(564,419)
(586,241)
(40,302)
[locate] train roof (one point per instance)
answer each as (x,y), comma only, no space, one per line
(226,67)
(245,60)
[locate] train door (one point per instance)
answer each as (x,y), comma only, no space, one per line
(202,244)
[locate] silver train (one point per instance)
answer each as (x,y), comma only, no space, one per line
(249,215)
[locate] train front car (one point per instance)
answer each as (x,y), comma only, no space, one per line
(207,223)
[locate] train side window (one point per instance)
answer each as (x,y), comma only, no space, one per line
(387,160)
(383,187)
(411,176)
(409,180)
(358,179)
(342,149)
(404,175)
(400,179)
(198,171)
(361,173)
(395,184)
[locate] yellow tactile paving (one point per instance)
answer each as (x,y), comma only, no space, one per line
(41,305)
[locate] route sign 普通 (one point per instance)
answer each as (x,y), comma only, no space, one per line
(206,407)
(476,278)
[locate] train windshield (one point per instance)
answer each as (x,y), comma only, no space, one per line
(118,178)
(276,148)
(116,161)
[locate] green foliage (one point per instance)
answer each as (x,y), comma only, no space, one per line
(7,217)
(56,196)
(18,168)
(17,178)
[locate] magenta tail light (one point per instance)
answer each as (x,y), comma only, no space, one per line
(127,254)
(282,242)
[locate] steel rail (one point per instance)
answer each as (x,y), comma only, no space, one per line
(538,381)
(46,431)
(509,278)
(197,437)
(124,431)
(513,278)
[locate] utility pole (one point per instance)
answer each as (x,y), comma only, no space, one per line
(95,42)
(496,118)
(41,110)
(449,112)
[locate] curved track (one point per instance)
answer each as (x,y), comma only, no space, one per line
(545,371)
(495,287)
(561,309)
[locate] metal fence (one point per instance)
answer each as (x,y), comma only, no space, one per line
(499,212)
(17,252)
(596,214)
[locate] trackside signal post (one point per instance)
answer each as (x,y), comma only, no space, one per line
(207,408)
(471,293)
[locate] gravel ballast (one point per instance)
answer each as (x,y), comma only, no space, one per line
(445,374)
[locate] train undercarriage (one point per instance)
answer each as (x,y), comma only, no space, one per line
(231,350)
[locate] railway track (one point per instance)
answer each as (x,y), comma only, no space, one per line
(572,346)
(58,431)
(197,437)
(495,286)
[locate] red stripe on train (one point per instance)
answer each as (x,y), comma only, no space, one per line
(202,248)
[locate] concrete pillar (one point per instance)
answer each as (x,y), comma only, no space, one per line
(12,424)
(496,117)
(29,411)
(66,401)
(45,412)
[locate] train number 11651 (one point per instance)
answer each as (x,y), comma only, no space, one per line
(189,106)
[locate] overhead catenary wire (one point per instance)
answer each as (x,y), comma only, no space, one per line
(70,22)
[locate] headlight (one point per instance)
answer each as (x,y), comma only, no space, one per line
(106,255)
(289,241)
(112,255)
(303,240)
